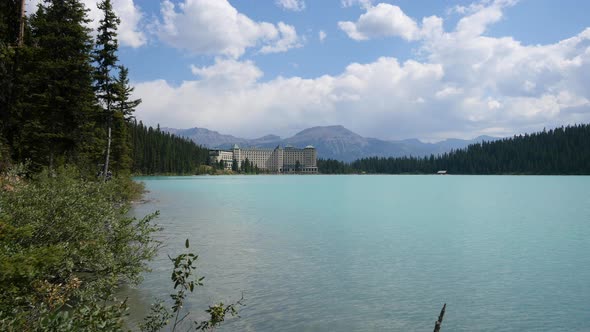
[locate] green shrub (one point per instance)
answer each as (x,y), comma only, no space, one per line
(67,242)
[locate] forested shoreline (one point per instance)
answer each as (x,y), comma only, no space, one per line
(69,143)
(66,98)
(558,151)
(157,152)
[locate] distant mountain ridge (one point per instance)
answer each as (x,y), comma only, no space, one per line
(334,142)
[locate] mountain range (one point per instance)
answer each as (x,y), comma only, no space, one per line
(334,142)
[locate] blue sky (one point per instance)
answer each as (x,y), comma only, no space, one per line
(531,22)
(386,69)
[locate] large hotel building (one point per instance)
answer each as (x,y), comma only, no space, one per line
(278,160)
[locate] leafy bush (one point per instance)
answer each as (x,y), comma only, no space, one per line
(65,245)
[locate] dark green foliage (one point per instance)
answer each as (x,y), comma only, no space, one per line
(9,26)
(121,160)
(86,316)
(51,104)
(123,108)
(65,239)
(331,166)
(105,56)
(158,152)
(563,150)
(248,167)
(57,106)
(122,103)
(54,115)
(9,21)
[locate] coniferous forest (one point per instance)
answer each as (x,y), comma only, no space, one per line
(559,151)
(66,98)
(158,152)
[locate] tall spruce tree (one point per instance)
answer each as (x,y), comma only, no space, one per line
(105,56)
(58,110)
(122,99)
(123,108)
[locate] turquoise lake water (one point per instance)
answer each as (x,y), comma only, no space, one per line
(379,253)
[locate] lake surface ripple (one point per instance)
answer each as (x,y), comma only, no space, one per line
(376,253)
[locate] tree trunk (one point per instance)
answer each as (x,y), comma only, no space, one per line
(21,31)
(106,163)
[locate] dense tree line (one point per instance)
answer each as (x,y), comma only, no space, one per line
(158,152)
(66,98)
(331,166)
(51,115)
(563,150)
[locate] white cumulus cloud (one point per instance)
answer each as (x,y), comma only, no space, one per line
(386,20)
(381,20)
(465,84)
(130,31)
(228,72)
(287,39)
(215,27)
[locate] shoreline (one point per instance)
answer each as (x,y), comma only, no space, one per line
(356,174)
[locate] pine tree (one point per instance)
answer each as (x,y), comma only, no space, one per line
(123,108)
(58,111)
(122,102)
(105,56)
